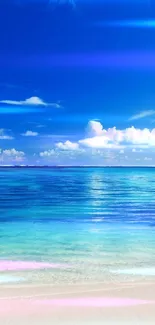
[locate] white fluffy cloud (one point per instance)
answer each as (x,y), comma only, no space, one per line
(68,145)
(94,128)
(99,142)
(9,156)
(13,153)
(102,146)
(111,138)
(47,153)
(32,101)
(114,138)
(30,134)
(148,159)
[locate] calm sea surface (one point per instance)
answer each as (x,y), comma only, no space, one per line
(98,221)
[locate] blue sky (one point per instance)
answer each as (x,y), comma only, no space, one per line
(77,82)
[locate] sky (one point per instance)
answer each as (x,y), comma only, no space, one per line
(77,82)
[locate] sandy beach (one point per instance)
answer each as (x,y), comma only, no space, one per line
(78,304)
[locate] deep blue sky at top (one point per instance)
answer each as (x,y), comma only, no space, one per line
(42,45)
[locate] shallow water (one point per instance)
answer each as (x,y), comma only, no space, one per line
(98,221)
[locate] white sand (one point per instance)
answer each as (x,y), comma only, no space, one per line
(48,305)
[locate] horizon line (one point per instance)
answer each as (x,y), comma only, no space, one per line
(77,166)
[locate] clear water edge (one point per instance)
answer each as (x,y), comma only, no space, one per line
(100,221)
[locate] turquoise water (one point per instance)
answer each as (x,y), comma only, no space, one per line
(99,221)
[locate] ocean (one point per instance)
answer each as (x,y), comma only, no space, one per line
(77,225)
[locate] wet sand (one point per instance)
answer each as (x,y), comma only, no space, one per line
(109,304)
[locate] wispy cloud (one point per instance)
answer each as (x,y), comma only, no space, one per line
(142,115)
(138,23)
(40,126)
(32,101)
(4,136)
(128,59)
(74,2)
(54,3)
(11,86)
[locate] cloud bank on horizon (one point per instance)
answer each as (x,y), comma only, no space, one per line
(111,146)
(100,146)
(112,138)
